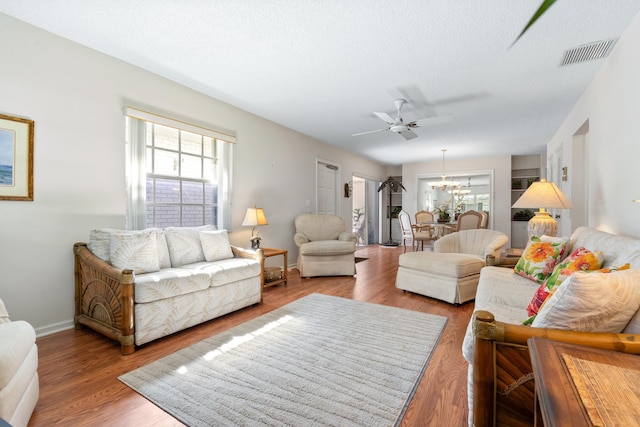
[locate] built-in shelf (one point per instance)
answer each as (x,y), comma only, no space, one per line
(525,170)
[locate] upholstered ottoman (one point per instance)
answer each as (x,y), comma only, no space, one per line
(450,277)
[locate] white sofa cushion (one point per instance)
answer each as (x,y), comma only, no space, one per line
(215,245)
(227,270)
(137,251)
(100,244)
(169,282)
(592,302)
(184,244)
(327,248)
(443,264)
(503,293)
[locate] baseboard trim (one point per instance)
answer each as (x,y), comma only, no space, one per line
(53,328)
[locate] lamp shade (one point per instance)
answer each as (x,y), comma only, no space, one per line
(543,194)
(255,216)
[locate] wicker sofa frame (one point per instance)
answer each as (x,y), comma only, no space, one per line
(503,385)
(104,295)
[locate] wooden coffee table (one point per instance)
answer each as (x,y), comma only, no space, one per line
(584,386)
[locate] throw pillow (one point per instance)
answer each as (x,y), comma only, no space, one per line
(215,245)
(580,260)
(592,302)
(184,244)
(540,257)
(137,251)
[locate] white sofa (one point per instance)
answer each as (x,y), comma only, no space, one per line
(500,382)
(137,286)
(325,248)
(19,388)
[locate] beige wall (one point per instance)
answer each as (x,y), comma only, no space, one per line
(76,97)
(610,108)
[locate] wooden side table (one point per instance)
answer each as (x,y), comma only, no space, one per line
(269,252)
(584,386)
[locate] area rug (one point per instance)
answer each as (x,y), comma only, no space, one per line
(318,361)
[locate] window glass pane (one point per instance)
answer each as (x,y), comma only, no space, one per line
(209,171)
(209,191)
(207,147)
(192,215)
(209,217)
(167,191)
(167,215)
(149,186)
(165,163)
(482,202)
(192,192)
(191,143)
(191,166)
(148,133)
(150,209)
(166,137)
(149,160)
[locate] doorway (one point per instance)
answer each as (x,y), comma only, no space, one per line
(366,211)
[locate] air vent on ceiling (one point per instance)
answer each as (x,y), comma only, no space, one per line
(587,52)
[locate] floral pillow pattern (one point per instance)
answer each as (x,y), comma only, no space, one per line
(540,257)
(581,259)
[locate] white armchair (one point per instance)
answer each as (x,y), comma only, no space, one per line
(324,247)
(480,242)
(19,387)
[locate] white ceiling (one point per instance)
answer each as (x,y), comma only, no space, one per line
(323,67)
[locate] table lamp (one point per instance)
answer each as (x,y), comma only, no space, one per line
(253,218)
(543,195)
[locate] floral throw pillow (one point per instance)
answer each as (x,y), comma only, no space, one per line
(540,257)
(581,259)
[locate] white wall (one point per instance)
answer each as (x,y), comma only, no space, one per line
(76,96)
(611,105)
(501,167)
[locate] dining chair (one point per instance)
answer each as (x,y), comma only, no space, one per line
(416,234)
(469,220)
(424,216)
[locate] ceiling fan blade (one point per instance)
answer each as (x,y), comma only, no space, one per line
(408,134)
(387,118)
(370,131)
(433,120)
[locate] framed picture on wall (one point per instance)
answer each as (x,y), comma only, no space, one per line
(16,158)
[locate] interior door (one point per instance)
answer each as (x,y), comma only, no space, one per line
(326,188)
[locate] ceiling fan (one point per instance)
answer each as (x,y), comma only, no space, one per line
(398,125)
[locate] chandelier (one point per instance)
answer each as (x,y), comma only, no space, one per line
(459,191)
(443,183)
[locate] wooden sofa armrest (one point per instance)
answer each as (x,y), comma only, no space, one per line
(503,386)
(104,298)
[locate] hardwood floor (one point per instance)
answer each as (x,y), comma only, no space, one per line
(79,369)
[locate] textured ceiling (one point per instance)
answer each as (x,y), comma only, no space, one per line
(323,67)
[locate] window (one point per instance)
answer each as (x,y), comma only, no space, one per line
(178,174)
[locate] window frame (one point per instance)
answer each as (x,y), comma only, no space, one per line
(137,124)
